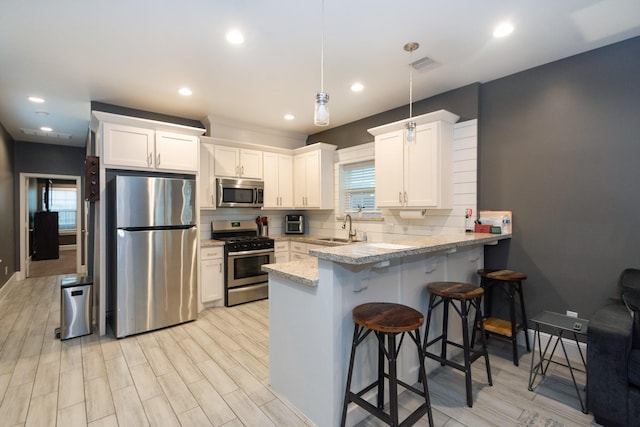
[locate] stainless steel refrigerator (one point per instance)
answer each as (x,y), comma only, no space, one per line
(153,253)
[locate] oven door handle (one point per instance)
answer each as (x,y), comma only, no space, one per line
(257,252)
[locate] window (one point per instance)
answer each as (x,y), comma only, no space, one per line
(63,200)
(358,188)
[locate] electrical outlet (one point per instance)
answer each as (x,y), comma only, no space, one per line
(572,313)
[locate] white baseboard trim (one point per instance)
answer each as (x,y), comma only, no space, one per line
(572,349)
(67,247)
(9,284)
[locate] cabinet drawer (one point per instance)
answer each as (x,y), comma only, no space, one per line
(211,253)
(295,256)
(299,247)
(281,246)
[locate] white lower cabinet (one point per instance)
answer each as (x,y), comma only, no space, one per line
(282,252)
(298,251)
(211,274)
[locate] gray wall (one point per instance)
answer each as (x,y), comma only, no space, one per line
(47,159)
(462,101)
(560,146)
(7,219)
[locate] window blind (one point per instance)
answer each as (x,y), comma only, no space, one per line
(359,184)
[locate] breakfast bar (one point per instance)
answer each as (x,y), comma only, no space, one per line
(310,303)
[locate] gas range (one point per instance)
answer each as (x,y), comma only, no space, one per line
(247,243)
(240,236)
(245,254)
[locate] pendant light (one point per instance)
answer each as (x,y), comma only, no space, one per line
(411,125)
(321,112)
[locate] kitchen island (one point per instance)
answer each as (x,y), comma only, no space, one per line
(310,303)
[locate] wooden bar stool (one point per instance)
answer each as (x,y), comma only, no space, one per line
(511,284)
(447,293)
(387,320)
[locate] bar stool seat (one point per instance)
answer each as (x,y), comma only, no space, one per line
(511,284)
(467,296)
(387,320)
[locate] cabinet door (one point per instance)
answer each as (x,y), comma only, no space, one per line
(312,175)
(175,151)
(128,146)
(285,180)
(207,179)
(299,181)
(271,181)
(389,155)
(250,163)
(226,161)
(422,172)
(212,279)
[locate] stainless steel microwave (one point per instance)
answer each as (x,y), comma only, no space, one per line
(239,193)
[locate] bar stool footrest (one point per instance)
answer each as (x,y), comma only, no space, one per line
(499,326)
(381,414)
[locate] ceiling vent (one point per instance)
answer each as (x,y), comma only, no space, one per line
(424,64)
(37,132)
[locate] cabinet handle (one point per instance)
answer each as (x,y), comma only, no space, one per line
(400,197)
(220,265)
(158,160)
(242,170)
(149,159)
(405,198)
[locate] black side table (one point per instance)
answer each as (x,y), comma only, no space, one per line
(559,324)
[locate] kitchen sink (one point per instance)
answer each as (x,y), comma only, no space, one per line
(337,240)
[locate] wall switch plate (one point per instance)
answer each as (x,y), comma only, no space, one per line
(572,313)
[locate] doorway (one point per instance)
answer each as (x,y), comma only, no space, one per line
(51,196)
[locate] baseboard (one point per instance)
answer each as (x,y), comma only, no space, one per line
(67,247)
(572,349)
(8,285)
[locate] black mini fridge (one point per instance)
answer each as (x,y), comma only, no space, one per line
(45,236)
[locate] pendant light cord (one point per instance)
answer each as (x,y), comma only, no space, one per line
(410,85)
(322,49)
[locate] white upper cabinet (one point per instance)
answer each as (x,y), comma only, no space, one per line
(278,180)
(150,146)
(313,173)
(237,162)
(175,151)
(207,177)
(128,146)
(415,174)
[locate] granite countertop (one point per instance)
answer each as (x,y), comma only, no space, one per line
(209,243)
(305,272)
(307,238)
(371,252)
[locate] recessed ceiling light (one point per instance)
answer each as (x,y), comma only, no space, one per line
(36,99)
(46,129)
(503,30)
(235,37)
(357,87)
(289,117)
(185,91)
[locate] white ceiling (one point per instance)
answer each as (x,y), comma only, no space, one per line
(139,53)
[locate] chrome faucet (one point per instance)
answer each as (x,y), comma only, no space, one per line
(352,233)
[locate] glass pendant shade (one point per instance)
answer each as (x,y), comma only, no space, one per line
(321,113)
(411,132)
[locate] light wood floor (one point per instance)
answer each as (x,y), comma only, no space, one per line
(213,371)
(66,264)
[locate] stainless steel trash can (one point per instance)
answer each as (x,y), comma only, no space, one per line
(76,307)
